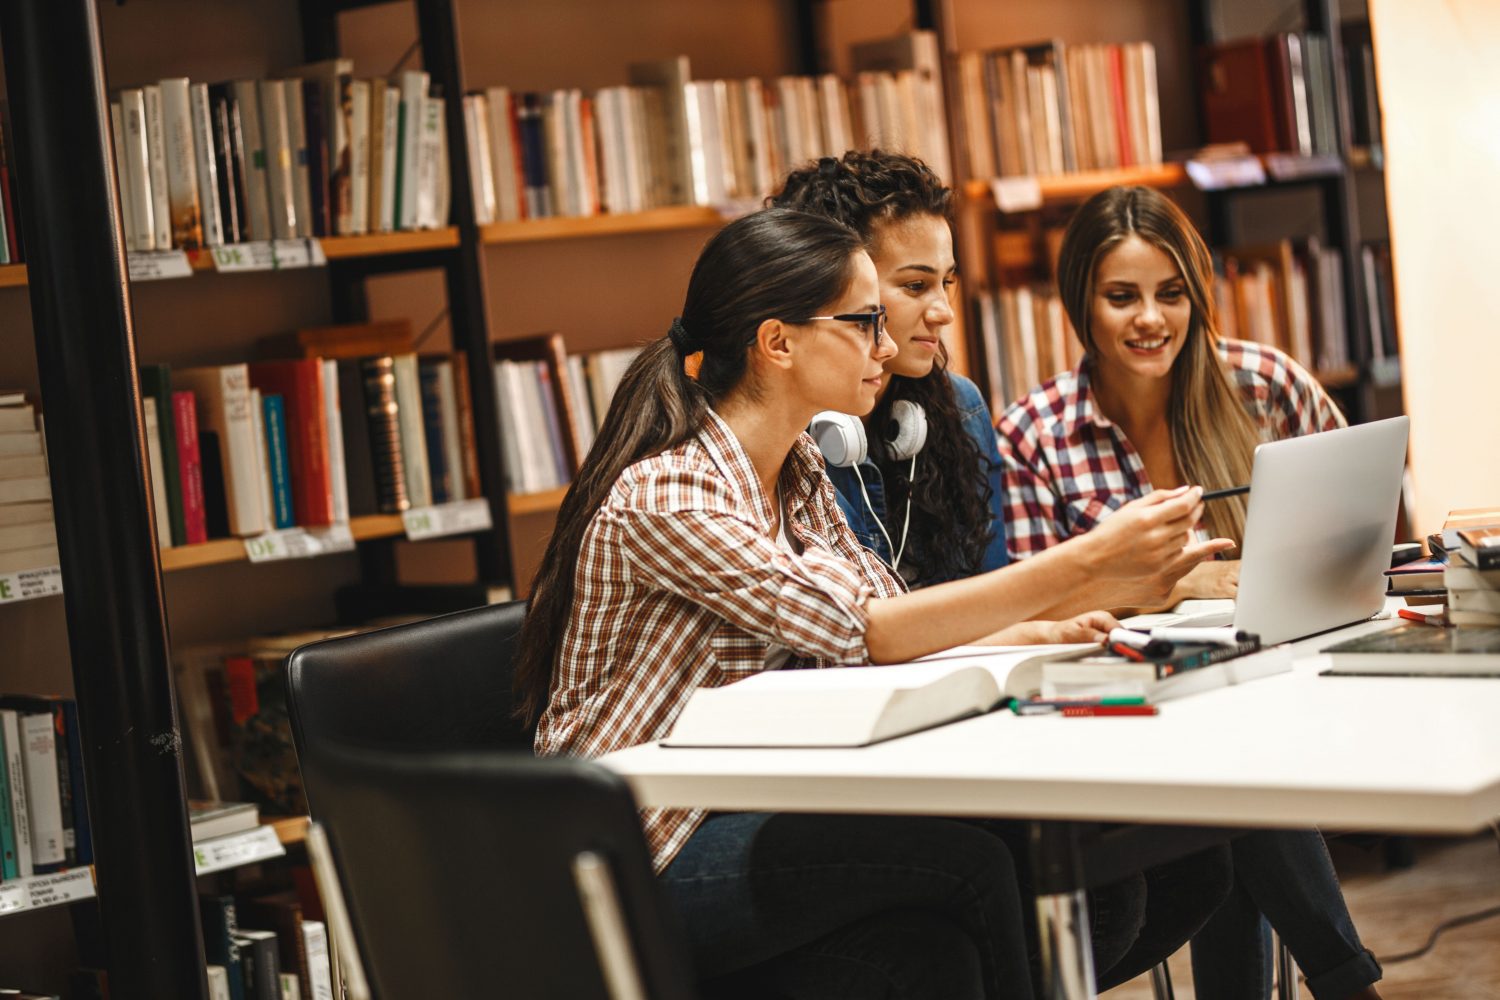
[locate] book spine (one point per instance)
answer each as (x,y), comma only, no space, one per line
(277,464)
(138,168)
(359,461)
(281,198)
(220,929)
(156,382)
(359,152)
(206,165)
(430,164)
(15,773)
(375,153)
(464,404)
(189,467)
(252,136)
(551,410)
(383,413)
(9,867)
(182,172)
(338,108)
(296,133)
(389,157)
(319,971)
(338,481)
(317,156)
(413,437)
(231,184)
(122,176)
(39,760)
(408,165)
(260,964)
(312,493)
(156,156)
(438,470)
(452,442)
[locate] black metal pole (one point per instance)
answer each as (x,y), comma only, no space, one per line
(468,313)
(117,629)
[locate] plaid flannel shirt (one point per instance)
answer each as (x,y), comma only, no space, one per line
(679,585)
(1067,466)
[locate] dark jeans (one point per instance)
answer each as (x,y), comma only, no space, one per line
(1287,876)
(853,907)
(858,907)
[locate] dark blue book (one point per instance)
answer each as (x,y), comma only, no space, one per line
(432,429)
(260,964)
(277,462)
(220,928)
(534,156)
(317,155)
(9,864)
(83,837)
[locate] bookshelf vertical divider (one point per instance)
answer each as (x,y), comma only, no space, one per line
(114,604)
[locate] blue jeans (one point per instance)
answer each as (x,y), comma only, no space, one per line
(1287,876)
(856,907)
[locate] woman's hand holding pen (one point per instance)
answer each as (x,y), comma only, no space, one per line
(1148,544)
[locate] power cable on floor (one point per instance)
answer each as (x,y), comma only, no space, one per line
(1447,925)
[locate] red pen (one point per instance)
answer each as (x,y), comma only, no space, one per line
(1084,711)
(1417,616)
(1129,652)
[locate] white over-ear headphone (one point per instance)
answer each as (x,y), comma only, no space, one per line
(841,438)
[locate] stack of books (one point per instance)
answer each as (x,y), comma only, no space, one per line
(318,153)
(242,449)
(1047,109)
(1472,576)
(43,812)
(28,539)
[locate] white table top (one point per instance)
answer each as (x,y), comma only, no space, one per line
(1390,753)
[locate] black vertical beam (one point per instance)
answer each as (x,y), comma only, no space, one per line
(1201,33)
(117,631)
(468,312)
(1341,211)
(320,30)
(805,49)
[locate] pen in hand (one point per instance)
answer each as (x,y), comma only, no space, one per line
(1229,491)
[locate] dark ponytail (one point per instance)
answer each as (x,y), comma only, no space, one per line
(774,264)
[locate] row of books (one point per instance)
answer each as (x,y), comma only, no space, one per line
(28,538)
(10,229)
(238,450)
(667,139)
(1049,108)
(1380,299)
(1276,93)
(1289,295)
(263,947)
(318,153)
(44,823)
(1461,574)
(551,407)
(1025,338)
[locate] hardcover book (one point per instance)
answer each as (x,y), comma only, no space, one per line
(1419,650)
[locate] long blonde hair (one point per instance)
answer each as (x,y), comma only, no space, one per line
(1213,437)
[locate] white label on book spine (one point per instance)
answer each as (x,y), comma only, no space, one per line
(29,583)
(267,255)
(237,849)
(457,518)
(46,890)
(1228,172)
(1016,194)
(299,543)
(1290,166)
(153,265)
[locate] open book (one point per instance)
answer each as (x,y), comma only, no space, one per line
(855,706)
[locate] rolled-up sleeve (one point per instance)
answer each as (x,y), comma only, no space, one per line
(683,530)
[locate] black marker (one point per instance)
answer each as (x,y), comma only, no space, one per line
(1232,491)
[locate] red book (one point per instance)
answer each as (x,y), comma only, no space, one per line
(300,385)
(1117,98)
(513,113)
(1239,102)
(189,466)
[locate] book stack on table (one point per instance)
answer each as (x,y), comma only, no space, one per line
(1468,549)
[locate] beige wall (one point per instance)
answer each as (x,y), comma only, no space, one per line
(1441,98)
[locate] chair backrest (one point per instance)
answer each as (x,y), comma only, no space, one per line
(462,877)
(439,684)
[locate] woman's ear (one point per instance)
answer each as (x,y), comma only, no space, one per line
(774,343)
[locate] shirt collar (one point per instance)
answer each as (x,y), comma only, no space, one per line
(800,473)
(1081,409)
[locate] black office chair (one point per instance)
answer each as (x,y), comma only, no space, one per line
(466,861)
(488,873)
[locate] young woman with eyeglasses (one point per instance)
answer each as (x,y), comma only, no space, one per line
(701,543)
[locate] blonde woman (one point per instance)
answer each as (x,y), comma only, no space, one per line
(1161,400)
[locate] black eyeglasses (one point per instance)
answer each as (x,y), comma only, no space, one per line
(872,323)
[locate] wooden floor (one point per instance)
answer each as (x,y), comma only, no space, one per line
(1396,911)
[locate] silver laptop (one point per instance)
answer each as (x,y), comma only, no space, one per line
(1318,535)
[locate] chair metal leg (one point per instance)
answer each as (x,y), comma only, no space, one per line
(1161,983)
(1067,958)
(1286,972)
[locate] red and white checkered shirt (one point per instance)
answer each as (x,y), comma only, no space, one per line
(680,585)
(1067,465)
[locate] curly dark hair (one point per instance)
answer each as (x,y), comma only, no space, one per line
(951,525)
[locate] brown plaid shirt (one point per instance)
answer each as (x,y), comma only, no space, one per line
(680,585)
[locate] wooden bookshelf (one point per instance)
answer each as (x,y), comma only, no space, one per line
(1337,378)
(289,829)
(366,245)
(228,550)
(521,504)
(676,217)
(1063,188)
(12,275)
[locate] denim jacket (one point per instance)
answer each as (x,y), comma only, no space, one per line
(976,422)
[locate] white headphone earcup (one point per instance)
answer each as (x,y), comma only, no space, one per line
(840,437)
(910,422)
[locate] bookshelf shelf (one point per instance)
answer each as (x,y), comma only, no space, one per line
(1337,378)
(537,503)
(676,217)
(39,891)
(376,244)
(1078,186)
(289,829)
(12,275)
(227,550)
